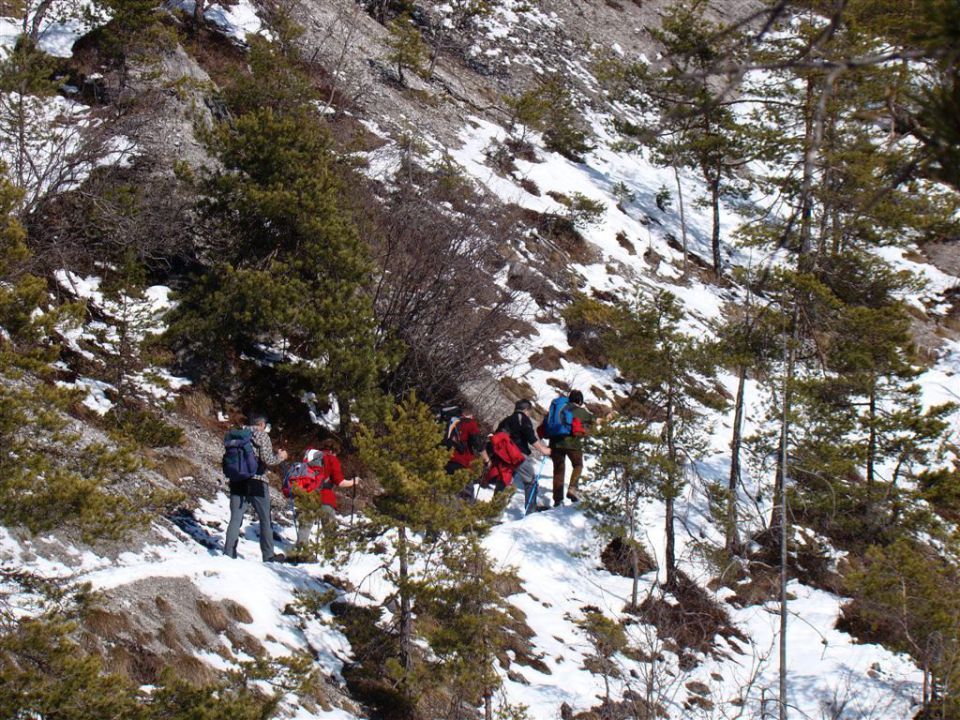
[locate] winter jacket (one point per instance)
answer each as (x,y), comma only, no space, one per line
(575,442)
(469,430)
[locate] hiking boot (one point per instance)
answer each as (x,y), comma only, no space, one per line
(572,497)
(277,557)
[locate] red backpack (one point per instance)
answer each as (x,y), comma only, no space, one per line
(505,458)
(308,476)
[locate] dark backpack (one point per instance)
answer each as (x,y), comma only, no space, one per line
(239,456)
(559,422)
(450,416)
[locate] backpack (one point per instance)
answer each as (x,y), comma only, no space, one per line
(505,457)
(559,422)
(308,476)
(240,461)
(452,440)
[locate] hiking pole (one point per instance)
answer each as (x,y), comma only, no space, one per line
(536,485)
(353,500)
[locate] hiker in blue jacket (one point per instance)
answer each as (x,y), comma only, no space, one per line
(255,491)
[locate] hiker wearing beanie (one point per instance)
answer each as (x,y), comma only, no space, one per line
(566,441)
(520,428)
(247,456)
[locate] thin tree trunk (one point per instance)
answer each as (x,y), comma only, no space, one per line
(634,560)
(872,441)
(715,234)
(672,454)
(784,471)
(683,217)
(406,618)
(732,537)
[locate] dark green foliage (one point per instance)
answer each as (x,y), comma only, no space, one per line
(146,428)
(607,638)
(666,368)
(407,48)
(418,505)
(907,596)
(628,462)
(551,108)
(78,486)
(291,271)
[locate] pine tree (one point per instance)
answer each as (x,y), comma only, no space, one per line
(291,272)
(76,488)
(700,127)
(628,460)
(747,343)
(607,638)
(665,367)
(419,511)
(407,49)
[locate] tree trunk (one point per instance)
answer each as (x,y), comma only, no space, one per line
(872,441)
(672,455)
(683,217)
(715,233)
(634,560)
(732,537)
(406,615)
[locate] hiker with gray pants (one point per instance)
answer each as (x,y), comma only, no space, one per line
(254,491)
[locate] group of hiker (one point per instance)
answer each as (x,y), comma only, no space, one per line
(509,456)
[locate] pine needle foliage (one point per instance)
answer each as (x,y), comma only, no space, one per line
(291,271)
(50,477)
(428,528)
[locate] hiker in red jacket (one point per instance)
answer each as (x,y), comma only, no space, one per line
(326,473)
(465,440)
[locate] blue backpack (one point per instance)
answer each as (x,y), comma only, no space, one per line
(559,422)
(239,457)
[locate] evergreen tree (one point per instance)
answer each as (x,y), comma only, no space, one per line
(608,638)
(291,273)
(700,125)
(907,594)
(665,367)
(550,108)
(748,345)
(407,48)
(421,515)
(466,628)
(45,672)
(77,487)
(626,472)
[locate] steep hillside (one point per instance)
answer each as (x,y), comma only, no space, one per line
(457,199)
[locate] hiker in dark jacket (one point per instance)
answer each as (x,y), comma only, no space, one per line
(255,492)
(570,446)
(520,428)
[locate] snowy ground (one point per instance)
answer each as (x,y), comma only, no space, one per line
(556,557)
